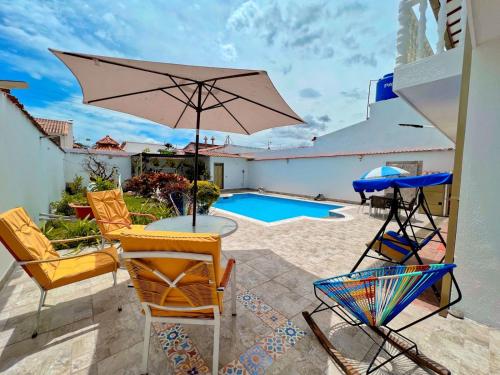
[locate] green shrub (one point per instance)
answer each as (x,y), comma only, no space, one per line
(101,184)
(76,186)
(61,207)
(146,206)
(61,230)
(207,194)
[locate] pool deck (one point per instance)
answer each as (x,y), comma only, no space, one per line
(84,334)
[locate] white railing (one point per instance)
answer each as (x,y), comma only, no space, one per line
(412,41)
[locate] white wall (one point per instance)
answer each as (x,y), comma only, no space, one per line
(74,162)
(234,178)
(477,245)
(332,176)
(31,168)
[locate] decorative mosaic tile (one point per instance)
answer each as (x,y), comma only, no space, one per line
(290,332)
(273,318)
(274,345)
(248,300)
(233,368)
(180,350)
(256,360)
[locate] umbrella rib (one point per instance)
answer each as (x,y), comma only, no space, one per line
(260,104)
(126,66)
(219,104)
(232,76)
(135,93)
(175,97)
(181,90)
(228,111)
(185,107)
(209,91)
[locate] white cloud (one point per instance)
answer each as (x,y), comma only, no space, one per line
(228,52)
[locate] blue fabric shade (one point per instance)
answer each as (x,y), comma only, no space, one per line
(402,182)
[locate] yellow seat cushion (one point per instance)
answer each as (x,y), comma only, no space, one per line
(182,242)
(24,240)
(110,210)
(115,235)
(84,267)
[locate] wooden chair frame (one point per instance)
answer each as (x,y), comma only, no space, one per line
(230,274)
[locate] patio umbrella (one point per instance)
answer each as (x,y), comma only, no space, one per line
(182,96)
(384,171)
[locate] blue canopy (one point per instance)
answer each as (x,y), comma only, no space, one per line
(378,184)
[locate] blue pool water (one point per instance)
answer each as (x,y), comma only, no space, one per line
(270,209)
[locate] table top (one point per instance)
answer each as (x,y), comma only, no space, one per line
(204,224)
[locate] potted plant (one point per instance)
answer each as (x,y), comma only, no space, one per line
(207,194)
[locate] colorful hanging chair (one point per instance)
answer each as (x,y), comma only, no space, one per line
(377,295)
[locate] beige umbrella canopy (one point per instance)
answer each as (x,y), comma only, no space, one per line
(182,96)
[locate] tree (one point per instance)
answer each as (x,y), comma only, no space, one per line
(98,168)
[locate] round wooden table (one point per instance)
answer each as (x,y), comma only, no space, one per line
(204,224)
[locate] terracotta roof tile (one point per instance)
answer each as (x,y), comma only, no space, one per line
(54,127)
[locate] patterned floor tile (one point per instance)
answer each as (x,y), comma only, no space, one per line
(290,332)
(273,318)
(274,345)
(256,360)
(233,368)
(181,350)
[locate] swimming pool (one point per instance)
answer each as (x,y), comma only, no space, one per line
(272,209)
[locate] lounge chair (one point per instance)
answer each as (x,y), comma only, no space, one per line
(36,255)
(112,215)
(372,299)
(179,279)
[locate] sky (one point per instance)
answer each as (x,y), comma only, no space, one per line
(319,54)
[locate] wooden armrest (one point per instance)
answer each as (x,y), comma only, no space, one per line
(75,239)
(28,262)
(151,216)
(227,274)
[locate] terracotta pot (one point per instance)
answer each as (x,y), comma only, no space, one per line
(82,212)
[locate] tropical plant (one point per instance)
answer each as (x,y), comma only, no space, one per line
(147,206)
(101,184)
(62,230)
(76,186)
(98,168)
(207,194)
(62,206)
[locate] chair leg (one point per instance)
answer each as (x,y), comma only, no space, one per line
(147,339)
(233,290)
(116,294)
(43,295)
(215,359)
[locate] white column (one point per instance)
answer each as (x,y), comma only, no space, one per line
(422,24)
(442,21)
(403,38)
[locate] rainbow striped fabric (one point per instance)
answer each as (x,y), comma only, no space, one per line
(376,296)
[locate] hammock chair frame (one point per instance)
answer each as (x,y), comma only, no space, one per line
(404,227)
(393,336)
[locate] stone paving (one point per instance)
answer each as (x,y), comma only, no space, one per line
(83,333)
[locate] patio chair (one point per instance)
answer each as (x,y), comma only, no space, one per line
(372,299)
(179,279)
(36,255)
(112,215)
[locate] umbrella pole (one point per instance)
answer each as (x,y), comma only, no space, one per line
(197,144)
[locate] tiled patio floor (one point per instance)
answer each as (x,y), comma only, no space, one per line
(83,333)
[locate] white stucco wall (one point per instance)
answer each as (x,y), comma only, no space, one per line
(234,178)
(477,245)
(332,176)
(74,164)
(31,168)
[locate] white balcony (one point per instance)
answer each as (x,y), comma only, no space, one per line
(429,78)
